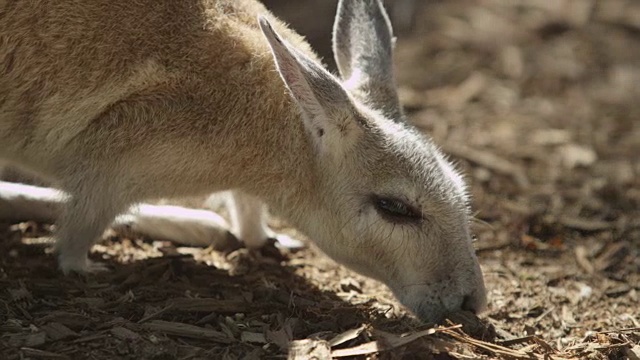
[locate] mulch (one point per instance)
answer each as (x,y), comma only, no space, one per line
(537,101)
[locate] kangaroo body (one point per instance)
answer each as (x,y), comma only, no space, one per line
(117,102)
(101,90)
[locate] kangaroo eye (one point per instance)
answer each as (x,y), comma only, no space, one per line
(395,210)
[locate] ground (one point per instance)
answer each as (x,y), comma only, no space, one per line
(537,101)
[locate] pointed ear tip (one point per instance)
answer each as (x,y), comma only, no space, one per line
(263,22)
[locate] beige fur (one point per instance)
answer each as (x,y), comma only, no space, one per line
(118,102)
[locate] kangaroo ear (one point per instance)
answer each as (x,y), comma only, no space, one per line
(324,103)
(363,49)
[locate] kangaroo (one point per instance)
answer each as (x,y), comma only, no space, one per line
(119,102)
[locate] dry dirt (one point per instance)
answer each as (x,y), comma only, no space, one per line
(536,100)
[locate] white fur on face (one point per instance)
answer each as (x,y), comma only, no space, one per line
(429,264)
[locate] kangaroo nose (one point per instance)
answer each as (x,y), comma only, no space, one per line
(475,302)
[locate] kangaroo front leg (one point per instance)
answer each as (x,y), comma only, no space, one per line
(86,216)
(248,221)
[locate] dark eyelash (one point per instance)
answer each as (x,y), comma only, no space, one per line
(396,210)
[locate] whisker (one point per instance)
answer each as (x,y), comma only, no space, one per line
(476,220)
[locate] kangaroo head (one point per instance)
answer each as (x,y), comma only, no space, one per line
(388,204)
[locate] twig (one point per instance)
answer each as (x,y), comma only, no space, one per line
(585,224)
(389,341)
(619,330)
(155,314)
(494,247)
(493,348)
(541,316)
(489,161)
(514,341)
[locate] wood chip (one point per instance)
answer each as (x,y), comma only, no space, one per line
(123,333)
(370,347)
(72,320)
(89,338)
(186,330)
(253,337)
(56,331)
(633,353)
(28,340)
(347,336)
(94,302)
(20,294)
(611,255)
(41,354)
(309,349)
(283,336)
(210,305)
(582,259)
(155,314)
